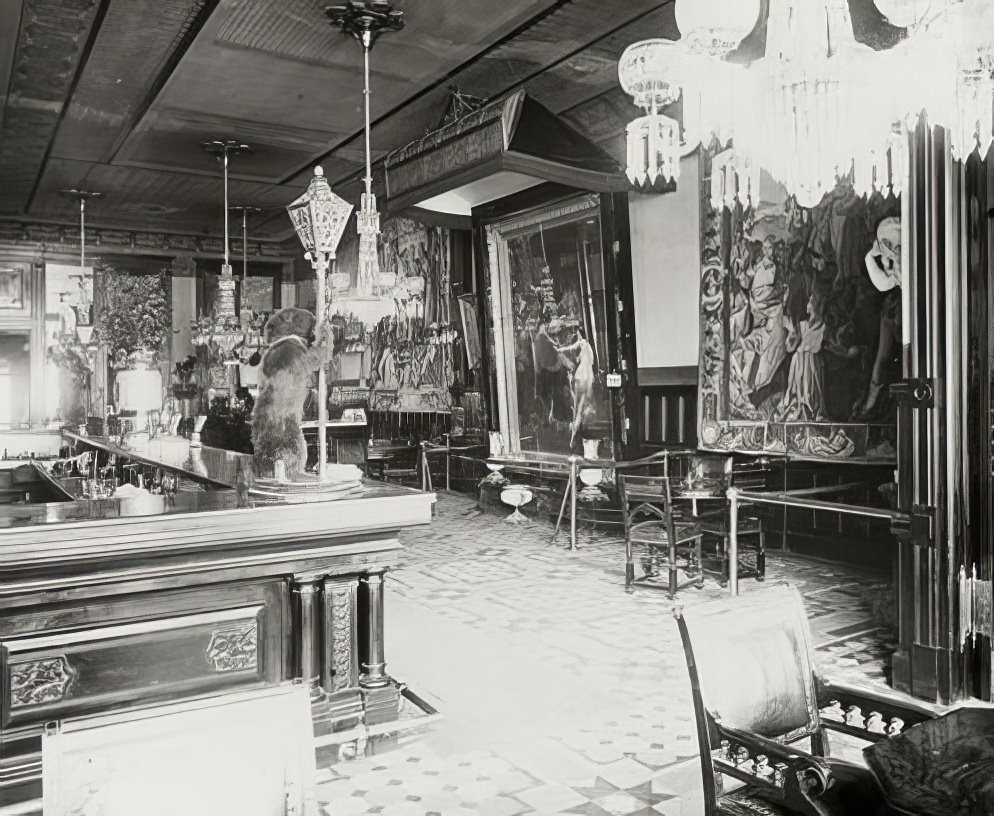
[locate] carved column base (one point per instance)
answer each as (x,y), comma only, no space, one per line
(339,711)
(382,704)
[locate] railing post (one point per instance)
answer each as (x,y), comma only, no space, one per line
(448,459)
(733,541)
(574,466)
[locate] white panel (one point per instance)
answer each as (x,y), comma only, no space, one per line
(462,200)
(184,313)
(250,754)
(666,266)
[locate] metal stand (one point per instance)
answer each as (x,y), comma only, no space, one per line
(569,494)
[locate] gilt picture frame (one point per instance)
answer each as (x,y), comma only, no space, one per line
(13,285)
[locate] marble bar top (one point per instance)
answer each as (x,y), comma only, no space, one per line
(117,527)
(200,463)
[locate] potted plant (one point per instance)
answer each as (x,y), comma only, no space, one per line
(133,323)
(133,320)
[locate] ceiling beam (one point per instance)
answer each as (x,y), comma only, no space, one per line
(9,10)
(91,38)
(519,81)
(185,39)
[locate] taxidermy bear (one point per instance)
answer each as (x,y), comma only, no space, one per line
(284,379)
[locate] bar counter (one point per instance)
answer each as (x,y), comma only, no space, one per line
(199,596)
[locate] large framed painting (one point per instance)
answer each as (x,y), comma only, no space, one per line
(550,343)
(800,320)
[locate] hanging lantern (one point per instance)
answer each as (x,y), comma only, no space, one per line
(715,27)
(319,216)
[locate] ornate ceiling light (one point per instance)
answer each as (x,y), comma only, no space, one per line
(224,307)
(366,20)
(656,72)
(819,106)
(648,72)
(84,321)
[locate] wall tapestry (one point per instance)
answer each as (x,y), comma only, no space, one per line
(800,323)
(405,361)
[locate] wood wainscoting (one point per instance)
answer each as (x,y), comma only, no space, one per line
(667,410)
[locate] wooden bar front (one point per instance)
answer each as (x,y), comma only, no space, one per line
(109,614)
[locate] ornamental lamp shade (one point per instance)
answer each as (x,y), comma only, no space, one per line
(319,216)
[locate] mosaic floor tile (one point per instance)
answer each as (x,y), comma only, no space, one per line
(560,693)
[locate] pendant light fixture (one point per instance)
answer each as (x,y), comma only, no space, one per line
(84,324)
(224,307)
(365,21)
(222,331)
(245,210)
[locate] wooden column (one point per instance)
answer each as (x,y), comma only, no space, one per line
(307,593)
(374,669)
(930,429)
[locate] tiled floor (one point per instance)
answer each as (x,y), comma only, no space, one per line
(560,692)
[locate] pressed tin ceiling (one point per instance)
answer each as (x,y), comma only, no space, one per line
(117,95)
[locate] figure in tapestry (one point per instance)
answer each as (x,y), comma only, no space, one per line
(800,330)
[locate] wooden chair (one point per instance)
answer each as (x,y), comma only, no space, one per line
(757,701)
(716,472)
(661,540)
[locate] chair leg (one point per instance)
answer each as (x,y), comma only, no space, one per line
(761,555)
(629,567)
(699,551)
(672,566)
(724,560)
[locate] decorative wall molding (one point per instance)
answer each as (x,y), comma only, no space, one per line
(234,648)
(61,238)
(36,682)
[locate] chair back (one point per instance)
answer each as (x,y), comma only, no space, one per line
(752,659)
(647,496)
(749,660)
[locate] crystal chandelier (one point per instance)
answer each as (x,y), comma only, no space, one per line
(819,106)
(221,332)
(224,307)
(715,27)
(646,73)
(371,298)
